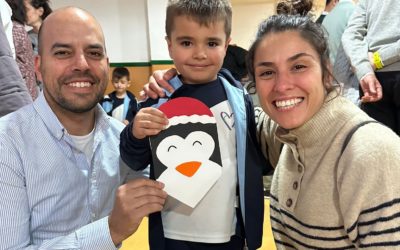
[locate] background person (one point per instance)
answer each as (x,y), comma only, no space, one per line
(373,49)
(121,103)
(23,47)
(13,91)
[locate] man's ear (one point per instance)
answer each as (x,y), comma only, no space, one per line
(38,62)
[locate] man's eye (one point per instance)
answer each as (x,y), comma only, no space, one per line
(96,54)
(61,53)
(213,44)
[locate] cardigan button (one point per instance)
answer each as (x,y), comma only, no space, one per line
(289,202)
(295,185)
(299,168)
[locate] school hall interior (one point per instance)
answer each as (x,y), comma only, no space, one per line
(134,32)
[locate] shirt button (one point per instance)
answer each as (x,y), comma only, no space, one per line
(289,203)
(299,168)
(295,185)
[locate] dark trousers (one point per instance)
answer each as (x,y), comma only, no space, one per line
(386,110)
(236,243)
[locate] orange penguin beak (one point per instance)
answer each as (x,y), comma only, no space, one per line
(188,168)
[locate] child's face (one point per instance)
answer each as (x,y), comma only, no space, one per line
(121,84)
(198,51)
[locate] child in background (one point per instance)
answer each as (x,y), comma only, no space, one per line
(230,215)
(121,103)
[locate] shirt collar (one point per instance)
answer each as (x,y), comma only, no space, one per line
(55,126)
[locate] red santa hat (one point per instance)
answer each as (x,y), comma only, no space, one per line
(184,110)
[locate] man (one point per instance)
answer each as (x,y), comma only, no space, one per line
(330,4)
(59,164)
(13,91)
(372,42)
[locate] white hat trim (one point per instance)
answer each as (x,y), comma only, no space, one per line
(184,119)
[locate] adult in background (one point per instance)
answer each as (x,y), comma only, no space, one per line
(372,42)
(60,166)
(13,91)
(36,12)
(329,5)
(335,24)
(23,46)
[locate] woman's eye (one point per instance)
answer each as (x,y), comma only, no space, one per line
(266,74)
(299,67)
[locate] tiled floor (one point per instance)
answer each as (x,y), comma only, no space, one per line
(139,240)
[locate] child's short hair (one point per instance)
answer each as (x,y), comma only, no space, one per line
(120,72)
(205,12)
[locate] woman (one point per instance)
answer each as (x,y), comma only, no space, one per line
(36,12)
(23,48)
(335,184)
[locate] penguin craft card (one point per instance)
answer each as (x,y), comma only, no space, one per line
(186,155)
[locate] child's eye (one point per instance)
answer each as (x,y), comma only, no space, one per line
(186,43)
(212,44)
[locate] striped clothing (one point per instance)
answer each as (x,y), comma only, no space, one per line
(50,196)
(322,199)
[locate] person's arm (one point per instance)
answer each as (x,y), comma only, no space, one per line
(134,200)
(269,144)
(356,47)
(15,214)
(158,82)
(354,43)
(13,91)
(368,188)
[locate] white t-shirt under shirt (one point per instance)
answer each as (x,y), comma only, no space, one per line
(213,220)
(84,144)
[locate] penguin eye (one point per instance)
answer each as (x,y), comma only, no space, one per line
(170,147)
(196,142)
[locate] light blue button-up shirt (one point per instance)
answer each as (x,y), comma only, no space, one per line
(50,196)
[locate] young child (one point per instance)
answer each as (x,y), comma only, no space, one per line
(121,103)
(230,216)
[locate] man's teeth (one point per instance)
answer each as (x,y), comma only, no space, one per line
(288,103)
(80,84)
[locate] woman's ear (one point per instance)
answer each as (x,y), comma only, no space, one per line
(40,11)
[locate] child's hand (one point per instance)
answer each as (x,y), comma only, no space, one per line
(148,121)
